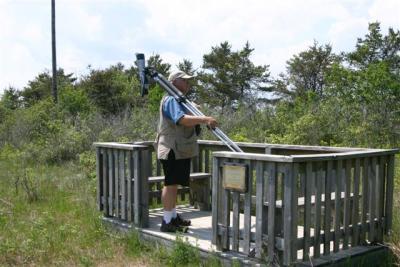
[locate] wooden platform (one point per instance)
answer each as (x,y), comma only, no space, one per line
(284,181)
(200,236)
(200,232)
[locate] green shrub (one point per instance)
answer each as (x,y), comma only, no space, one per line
(74,101)
(184,254)
(87,161)
(4,112)
(65,143)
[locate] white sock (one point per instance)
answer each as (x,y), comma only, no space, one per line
(173,213)
(167,216)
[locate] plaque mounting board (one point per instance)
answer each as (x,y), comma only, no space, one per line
(235,176)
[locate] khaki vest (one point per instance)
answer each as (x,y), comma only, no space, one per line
(182,140)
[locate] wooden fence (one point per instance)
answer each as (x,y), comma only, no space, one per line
(302,201)
(298,207)
(122,174)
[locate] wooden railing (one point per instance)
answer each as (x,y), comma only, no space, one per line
(122,173)
(304,206)
(302,202)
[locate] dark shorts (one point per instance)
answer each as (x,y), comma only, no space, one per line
(176,171)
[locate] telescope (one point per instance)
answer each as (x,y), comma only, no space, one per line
(146,74)
(144,82)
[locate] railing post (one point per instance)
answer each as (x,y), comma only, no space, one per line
(122,180)
(141,172)
(99,174)
(389,194)
(195,163)
(220,208)
(111,184)
(372,203)
(105,182)
(271,168)
(145,173)
(290,212)
(215,199)
(131,212)
(261,216)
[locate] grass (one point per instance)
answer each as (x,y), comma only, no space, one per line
(48,217)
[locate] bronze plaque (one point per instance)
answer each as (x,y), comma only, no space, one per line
(234,176)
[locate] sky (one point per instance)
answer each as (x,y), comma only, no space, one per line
(99,33)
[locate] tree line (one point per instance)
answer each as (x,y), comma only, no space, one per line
(322,98)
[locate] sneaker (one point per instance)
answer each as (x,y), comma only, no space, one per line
(179,221)
(171,227)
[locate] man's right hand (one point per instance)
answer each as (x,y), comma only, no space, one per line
(211,122)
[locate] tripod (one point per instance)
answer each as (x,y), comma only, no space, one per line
(146,72)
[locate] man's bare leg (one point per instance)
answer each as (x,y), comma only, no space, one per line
(168,198)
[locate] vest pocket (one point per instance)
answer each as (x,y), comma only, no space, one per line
(186,148)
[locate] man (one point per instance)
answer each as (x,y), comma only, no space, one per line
(176,145)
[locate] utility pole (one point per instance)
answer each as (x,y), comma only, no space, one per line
(53,46)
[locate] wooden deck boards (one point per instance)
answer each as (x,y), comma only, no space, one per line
(200,232)
(200,235)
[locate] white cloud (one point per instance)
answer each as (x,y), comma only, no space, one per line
(21,48)
(19,67)
(78,20)
(274,29)
(343,34)
(387,12)
(103,32)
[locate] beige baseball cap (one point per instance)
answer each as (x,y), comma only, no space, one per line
(179,74)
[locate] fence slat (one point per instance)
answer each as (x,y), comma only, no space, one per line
(144,178)
(105,182)
(338,208)
(235,220)
(389,194)
(99,174)
(247,210)
(137,161)
(318,192)
(123,183)
(355,238)
(294,226)
(207,160)
(132,181)
(158,166)
(365,197)
(159,188)
(215,186)
(271,168)
(226,210)
(372,203)
(290,210)
(380,197)
(116,182)
(307,210)
(260,214)
(347,183)
(111,181)
(328,203)
(201,159)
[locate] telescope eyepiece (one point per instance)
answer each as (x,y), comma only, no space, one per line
(139,56)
